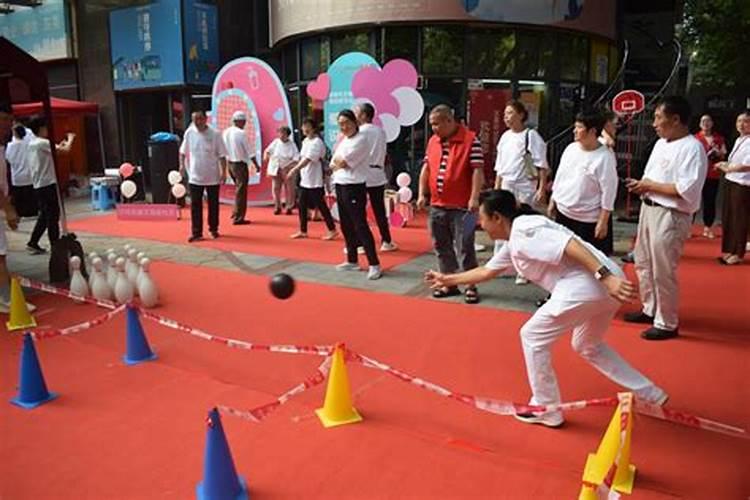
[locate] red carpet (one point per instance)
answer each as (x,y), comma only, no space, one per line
(267,235)
(138,432)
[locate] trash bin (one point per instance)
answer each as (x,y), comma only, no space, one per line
(163,156)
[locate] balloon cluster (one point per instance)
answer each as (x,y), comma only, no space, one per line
(174,178)
(128,188)
(404,191)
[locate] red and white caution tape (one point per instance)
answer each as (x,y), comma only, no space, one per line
(44,287)
(239,344)
(259,413)
(47,334)
(686,419)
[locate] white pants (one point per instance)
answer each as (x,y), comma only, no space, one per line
(661,238)
(589,322)
(523,191)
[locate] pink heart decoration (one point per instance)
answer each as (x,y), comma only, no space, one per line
(320,88)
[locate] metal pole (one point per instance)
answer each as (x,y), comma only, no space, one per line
(101,140)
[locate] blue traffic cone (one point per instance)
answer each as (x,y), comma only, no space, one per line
(33,390)
(138,349)
(220,479)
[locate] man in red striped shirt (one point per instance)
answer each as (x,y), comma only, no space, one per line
(452,177)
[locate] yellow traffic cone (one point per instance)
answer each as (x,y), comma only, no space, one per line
(338,408)
(20,317)
(599,463)
(588,492)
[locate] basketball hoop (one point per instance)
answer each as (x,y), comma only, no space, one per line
(627,104)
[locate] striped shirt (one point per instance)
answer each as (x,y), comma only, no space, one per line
(476,160)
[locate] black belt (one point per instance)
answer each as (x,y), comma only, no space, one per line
(652,203)
(376,166)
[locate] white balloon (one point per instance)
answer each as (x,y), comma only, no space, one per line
(405,195)
(178,190)
(411,105)
(128,189)
(174,177)
(403,179)
(391,126)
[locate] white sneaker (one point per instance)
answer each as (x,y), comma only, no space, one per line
(520,280)
(374,273)
(388,247)
(347,266)
(652,394)
(552,419)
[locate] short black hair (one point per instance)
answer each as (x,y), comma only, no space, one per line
(367,109)
(20,131)
(591,119)
(36,123)
(503,203)
(348,114)
(519,107)
(310,122)
(284,129)
(676,105)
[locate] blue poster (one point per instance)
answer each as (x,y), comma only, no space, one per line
(41,31)
(146,46)
(201,42)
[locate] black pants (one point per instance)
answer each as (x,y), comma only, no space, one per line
(377,201)
(585,230)
(709,194)
(352,202)
(239,172)
(49,215)
(311,198)
(196,208)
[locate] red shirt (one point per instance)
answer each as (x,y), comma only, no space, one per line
(452,163)
(718,144)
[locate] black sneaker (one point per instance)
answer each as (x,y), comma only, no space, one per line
(35,249)
(214,234)
(195,238)
(638,317)
(655,333)
(241,222)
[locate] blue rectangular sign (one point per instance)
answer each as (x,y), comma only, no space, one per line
(201,42)
(41,31)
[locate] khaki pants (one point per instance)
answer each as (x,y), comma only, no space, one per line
(661,237)
(239,172)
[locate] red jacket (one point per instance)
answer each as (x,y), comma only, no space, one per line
(718,143)
(457,178)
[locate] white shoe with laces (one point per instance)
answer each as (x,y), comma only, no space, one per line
(388,247)
(374,273)
(553,419)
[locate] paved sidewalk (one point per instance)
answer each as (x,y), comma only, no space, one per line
(405,279)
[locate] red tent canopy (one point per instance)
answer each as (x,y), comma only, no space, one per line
(59,107)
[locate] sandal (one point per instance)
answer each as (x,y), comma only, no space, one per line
(440,293)
(471,296)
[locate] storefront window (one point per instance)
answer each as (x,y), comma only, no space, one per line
(442,51)
(350,42)
(574,56)
(490,53)
(535,55)
(311,58)
(291,71)
(401,43)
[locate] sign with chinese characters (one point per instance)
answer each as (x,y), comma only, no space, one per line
(201,42)
(41,31)
(147,211)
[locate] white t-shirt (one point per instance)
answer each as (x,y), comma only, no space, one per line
(376,137)
(39,161)
(510,151)
(282,154)
(536,249)
(237,145)
(16,154)
(203,150)
(3,175)
(355,151)
(681,162)
(585,182)
(740,155)
(311,176)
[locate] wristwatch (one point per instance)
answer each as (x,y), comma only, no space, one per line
(602,273)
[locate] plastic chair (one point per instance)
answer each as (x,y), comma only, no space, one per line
(101,197)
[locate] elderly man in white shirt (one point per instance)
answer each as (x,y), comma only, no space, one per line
(586,288)
(22,188)
(206,169)
(671,193)
(239,157)
(376,179)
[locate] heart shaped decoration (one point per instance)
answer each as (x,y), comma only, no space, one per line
(320,88)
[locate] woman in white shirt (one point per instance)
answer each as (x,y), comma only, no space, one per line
(311,192)
(585,186)
(586,289)
(350,164)
(735,214)
(281,155)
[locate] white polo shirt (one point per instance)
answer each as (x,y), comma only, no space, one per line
(237,145)
(510,151)
(585,182)
(740,155)
(16,155)
(311,176)
(681,162)
(39,161)
(203,150)
(536,249)
(376,137)
(355,151)
(281,154)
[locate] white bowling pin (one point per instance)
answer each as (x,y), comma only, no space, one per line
(132,267)
(100,288)
(123,286)
(112,269)
(139,259)
(92,256)
(78,284)
(147,290)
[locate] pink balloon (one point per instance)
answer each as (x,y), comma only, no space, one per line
(127,169)
(401,73)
